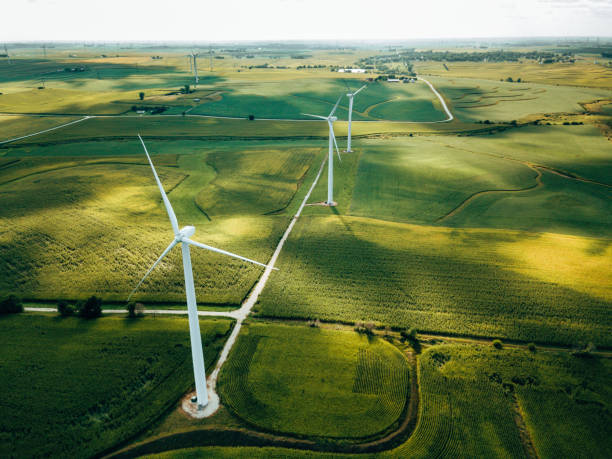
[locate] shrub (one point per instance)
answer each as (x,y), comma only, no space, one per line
(64,308)
(251,117)
(531,347)
(11,305)
(497,344)
(586,352)
(135,309)
(141,95)
(91,308)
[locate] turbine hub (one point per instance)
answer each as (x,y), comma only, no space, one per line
(186,232)
(333,118)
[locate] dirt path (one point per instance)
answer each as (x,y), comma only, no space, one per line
(526,439)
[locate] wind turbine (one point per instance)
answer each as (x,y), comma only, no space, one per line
(8,58)
(332,141)
(182,236)
(350,117)
(194,67)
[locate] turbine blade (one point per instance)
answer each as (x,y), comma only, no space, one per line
(356,92)
(315,116)
(169,209)
(165,252)
(335,106)
(331,131)
(213,249)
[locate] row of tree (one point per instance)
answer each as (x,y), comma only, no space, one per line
(87,309)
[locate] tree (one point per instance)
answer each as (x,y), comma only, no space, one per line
(64,308)
(509,80)
(251,117)
(11,305)
(497,344)
(141,95)
(135,309)
(91,308)
(186,89)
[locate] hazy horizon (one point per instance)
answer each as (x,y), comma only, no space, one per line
(302,20)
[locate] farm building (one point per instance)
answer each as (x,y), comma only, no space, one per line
(351,70)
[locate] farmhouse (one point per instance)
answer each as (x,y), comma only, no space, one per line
(351,70)
(393,80)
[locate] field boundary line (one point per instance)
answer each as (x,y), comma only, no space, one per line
(469,199)
(46,130)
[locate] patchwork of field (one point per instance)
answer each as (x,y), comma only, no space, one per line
(465,281)
(309,381)
(74,387)
(101,222)
(461,228)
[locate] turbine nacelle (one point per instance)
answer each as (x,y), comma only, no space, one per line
(333,118)
(185,233)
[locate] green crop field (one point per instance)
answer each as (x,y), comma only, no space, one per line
(547,387)
(76,387)
(315,382)
(535,287)
(109,208)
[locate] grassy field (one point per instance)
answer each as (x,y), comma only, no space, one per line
(73,387)
(582,73)
(535,287)
(310,381)
(581,151)
(479,99)
(12,127)
(291,98)
(102,223)
(512,179)
(166,127)
(418,180)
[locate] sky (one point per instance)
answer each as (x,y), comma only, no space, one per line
(239,20)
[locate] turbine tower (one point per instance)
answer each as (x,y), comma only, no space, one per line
(332,141)
(194,57)
(350,117)
(8,58)
(193,66)
(181,236)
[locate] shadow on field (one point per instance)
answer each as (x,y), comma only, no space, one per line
(339,275)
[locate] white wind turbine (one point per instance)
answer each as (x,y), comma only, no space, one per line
(193,61)
(350,117)
(332,141)
(182,236)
